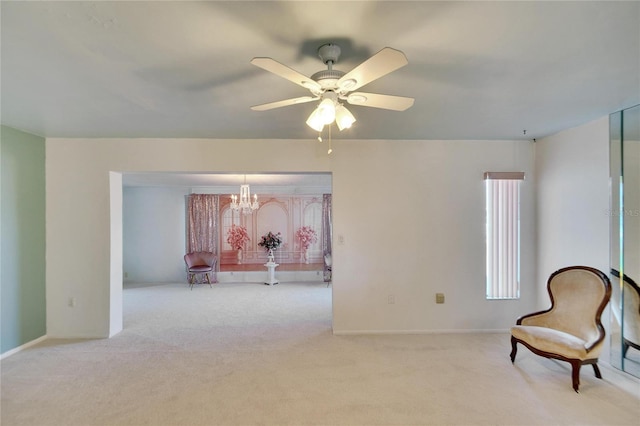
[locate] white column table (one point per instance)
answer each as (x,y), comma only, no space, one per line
(271,267)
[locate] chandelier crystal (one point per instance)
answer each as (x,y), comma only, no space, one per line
(243,203)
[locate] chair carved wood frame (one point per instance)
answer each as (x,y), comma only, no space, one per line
(630,313)
(571,329)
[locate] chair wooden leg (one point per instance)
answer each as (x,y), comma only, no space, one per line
(575,374)
(514,349)
(208,279)
(596,370)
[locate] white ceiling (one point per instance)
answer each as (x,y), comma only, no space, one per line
(477,70)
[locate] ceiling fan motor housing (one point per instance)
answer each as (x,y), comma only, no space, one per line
(329,53)
(327,79)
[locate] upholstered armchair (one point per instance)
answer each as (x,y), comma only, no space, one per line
(630,314)
(570,330)
(199,263)
(631,320)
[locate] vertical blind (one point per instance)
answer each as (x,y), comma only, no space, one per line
(503,234)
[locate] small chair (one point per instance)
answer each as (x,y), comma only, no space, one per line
(570,330)
(630,314)
(328,264)
(199,263)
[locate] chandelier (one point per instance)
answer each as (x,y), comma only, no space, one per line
(244,203)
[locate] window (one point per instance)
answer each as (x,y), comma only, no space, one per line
(503,234)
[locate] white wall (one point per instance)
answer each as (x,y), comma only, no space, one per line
(154,234)
(116,310)
(428,238)
(573,203)
(573,199)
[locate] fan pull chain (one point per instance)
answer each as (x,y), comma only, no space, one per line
(330,149)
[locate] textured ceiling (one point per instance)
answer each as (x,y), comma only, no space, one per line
(477,70)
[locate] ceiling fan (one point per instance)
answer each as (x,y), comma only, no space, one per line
(331,86)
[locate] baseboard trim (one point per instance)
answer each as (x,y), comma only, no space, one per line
(442,331)
(23,347)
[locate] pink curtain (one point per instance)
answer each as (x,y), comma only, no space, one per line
(202,225)
(327,233)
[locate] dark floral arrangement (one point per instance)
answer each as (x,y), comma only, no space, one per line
(270,241)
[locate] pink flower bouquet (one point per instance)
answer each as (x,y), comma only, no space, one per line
(237,236)
(307,236)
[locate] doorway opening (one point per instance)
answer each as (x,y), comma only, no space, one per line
(153,223)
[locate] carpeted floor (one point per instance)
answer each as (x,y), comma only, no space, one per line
(242,354)
(227,267)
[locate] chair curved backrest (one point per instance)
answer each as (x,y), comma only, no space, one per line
(578,296)
(200,263)
(570,330)
(631,312)
(200,258)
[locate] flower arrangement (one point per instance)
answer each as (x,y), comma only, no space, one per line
(270,241)
(237,236)
(307,236)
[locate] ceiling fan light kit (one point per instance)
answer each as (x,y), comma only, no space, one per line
(331,86)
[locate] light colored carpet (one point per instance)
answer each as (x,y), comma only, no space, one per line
(242,354)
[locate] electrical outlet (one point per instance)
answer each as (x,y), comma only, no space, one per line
(341,239)
(72,302)
(391,299)
(439,297)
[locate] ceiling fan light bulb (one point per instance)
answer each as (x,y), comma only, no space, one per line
(327,111)
(344,118)
(315,120)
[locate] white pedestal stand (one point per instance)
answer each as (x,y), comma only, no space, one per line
(271,267)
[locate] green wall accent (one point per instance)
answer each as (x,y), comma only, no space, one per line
(22,231)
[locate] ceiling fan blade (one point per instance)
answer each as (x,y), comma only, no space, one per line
(284,71)
(286,102)
(382,63)
(374,100)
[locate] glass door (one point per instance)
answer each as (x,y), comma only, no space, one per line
(625,239)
